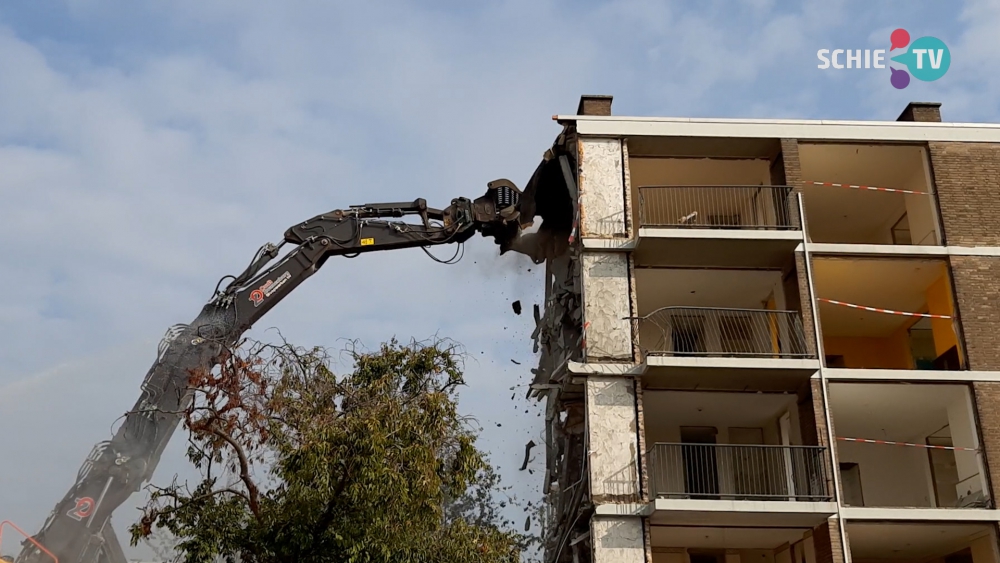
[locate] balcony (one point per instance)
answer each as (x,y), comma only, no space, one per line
(723,348)
(731,485)
(738,226)
(735,472)
(843,207)
(908,446)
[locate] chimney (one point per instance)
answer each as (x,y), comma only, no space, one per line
(591,104)
(921,111)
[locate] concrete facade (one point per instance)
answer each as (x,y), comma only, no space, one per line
(600,424)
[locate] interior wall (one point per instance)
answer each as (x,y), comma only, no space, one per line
(685,287)
(892,352)
(984,549)
(647,171)
(891,476)
(920,209)
(962,425)
(719,410)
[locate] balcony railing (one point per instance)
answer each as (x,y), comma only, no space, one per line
(706,331)
(728,472)
(716,207)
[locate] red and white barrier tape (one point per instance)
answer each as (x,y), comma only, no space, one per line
(891,443)
(872,188)
(887,311)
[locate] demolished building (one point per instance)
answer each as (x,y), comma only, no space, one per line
(769,340)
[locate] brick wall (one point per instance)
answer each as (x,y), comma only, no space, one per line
(822,436)
(793,175)
(647,539)
(807,309)
(826,541)
(967,180)
(977,296)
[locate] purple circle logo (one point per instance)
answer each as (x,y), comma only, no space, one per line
(900,78)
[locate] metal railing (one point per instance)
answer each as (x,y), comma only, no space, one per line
(731,472)
(716,207)
(708,331)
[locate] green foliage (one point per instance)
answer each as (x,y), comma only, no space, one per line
(302,466)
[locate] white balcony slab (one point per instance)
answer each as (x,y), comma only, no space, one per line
(856,374)
(749,248)
(727,374)
(697,512)
(921,514)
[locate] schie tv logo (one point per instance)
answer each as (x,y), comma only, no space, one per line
(927,58)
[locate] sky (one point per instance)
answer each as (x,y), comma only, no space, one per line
(147,148)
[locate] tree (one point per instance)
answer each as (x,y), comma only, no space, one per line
(299,465)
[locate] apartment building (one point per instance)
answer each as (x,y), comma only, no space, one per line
(771,340)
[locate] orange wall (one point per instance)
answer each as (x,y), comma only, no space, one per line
(892,352)
(939,302)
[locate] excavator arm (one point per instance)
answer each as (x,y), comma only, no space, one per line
(78,530)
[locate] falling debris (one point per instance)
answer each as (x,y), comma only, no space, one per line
(527,523)
(499,425)
(517,363)
(512,396)
(517,307)
(527,454)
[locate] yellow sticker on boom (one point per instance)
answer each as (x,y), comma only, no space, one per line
(367,241)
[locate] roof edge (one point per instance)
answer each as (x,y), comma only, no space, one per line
(742,121)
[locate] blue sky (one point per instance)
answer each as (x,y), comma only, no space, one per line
(148,148)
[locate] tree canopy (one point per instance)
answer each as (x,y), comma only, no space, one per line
(300,465)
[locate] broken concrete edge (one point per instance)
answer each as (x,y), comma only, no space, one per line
(638,509)
(618,243)
(606,368)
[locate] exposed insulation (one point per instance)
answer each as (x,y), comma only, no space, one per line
(602,191)
(606,306)
(618,540)
(612,435)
